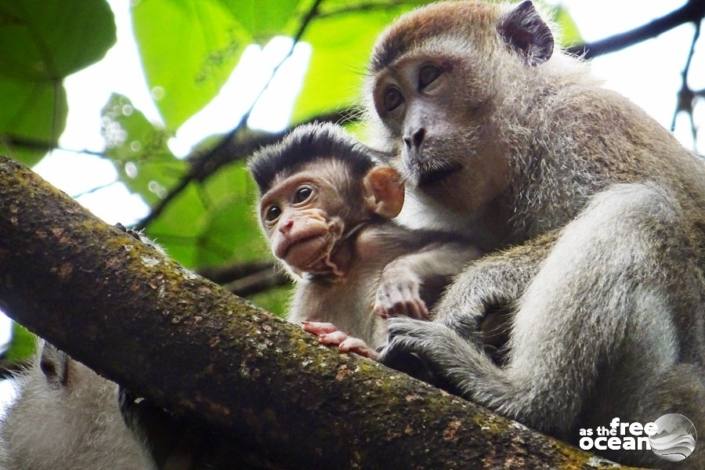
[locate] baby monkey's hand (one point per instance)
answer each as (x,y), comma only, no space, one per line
(330,335)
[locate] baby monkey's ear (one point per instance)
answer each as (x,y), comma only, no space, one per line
(384,191)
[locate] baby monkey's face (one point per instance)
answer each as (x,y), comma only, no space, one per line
(306,213)
(300,215)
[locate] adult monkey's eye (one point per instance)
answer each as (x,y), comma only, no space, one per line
(302,194)
(427,75)
(392,98)
(272,213)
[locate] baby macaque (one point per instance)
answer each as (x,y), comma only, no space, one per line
(67,416)
(326,209)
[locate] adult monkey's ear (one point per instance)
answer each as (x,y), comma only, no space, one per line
(525,32)
(384,191)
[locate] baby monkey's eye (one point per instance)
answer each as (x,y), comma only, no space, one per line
(302,194)
(427,75)
(272,213)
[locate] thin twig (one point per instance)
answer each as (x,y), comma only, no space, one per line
(258,282)
(232,272)
(685,94)
(94,189)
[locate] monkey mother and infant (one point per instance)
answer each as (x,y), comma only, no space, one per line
(554,271)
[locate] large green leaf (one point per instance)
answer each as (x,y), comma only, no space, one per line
(230,232)
(35,111)
(262,18)
(229,235)
(342,41)
(180,225)
(41,42)
(138,150)
(188,48)
(49,39)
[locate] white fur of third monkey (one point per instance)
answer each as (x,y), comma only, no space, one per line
(67,417)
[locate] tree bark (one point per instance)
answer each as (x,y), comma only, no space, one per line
(142,320)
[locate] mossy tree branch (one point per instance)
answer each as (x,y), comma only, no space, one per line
(189,345)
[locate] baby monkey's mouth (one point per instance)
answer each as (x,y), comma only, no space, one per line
(439,172)
(305,247)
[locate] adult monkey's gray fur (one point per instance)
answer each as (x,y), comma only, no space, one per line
(599,211)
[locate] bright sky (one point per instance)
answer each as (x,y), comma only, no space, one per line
(648,74)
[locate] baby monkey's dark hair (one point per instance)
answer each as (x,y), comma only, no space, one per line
(306,144)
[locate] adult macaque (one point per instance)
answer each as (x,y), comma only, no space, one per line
(67,417)
(599,211)
(325,208)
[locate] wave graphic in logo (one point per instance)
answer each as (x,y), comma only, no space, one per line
(675,438)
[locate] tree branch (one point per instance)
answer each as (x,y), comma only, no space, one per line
(693,11)
(188,345)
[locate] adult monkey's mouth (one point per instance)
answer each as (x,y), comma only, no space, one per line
(438,173)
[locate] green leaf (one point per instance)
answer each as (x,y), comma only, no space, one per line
(274,300)
(178,228)
(342,43)
(188,48)
(23,344)
(41,42)
(209,222)
(231,232)
(47,40)
(570,34)
(35,111)
(139,151)
(262,18)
